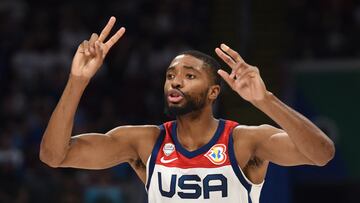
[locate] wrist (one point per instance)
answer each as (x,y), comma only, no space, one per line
(265,101)
(78,81)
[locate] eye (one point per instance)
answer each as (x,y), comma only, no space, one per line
(170,76)
(190,76)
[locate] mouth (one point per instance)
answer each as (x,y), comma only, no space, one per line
(175,96)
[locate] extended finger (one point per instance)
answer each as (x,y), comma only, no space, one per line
(226,58)
(232,53)
(115,37)
(226,77)
(105,32)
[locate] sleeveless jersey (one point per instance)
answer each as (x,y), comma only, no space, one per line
(209,174)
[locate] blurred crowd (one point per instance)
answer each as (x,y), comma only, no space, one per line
(324,28)
(38,40)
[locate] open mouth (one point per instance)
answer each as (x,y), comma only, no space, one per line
(175,96)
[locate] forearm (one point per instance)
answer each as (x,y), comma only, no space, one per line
(56,138)
(307,137)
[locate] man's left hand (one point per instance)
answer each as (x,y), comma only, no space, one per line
(244,79)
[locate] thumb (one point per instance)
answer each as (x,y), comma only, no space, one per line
(226,77)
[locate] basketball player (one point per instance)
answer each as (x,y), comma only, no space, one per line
(195,158)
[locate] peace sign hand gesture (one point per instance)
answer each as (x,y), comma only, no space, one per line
(91,53)
(244,78)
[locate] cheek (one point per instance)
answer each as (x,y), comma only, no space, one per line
(199,92)
(195,84)
(166,85)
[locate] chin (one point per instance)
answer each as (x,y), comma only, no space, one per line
(179,104)
(172,105)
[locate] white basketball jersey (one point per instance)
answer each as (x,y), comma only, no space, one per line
(209,174)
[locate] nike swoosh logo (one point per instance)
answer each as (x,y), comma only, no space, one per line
(164,161)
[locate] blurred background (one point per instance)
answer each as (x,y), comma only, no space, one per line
(307,51)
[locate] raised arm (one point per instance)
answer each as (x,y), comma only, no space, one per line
(91,150)
(298,142)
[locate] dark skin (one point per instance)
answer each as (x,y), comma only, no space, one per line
(298,142)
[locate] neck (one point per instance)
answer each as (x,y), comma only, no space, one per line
(195,129)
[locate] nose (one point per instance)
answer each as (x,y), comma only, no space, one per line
(177,82)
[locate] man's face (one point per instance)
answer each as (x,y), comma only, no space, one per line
(186,86)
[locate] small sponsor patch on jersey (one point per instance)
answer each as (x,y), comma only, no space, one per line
(168,149)
(217,154)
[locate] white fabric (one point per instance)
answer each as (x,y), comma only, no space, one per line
(236,192)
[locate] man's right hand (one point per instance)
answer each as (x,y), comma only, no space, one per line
(91,53)
(132,144)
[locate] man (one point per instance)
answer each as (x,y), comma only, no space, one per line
(196,158)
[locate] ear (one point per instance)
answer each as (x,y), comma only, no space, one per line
(214,92)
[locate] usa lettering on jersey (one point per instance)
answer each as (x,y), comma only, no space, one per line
(193,187)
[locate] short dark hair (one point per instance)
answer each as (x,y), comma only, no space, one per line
(209,62)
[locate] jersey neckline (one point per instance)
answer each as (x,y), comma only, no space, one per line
(203,149)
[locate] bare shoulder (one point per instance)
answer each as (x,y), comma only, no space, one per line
(249,137)
(253,132)
(136,131)
(140,138)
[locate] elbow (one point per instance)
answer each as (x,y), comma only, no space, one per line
(327,154)
(49,160)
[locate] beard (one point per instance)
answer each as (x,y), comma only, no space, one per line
(192,103)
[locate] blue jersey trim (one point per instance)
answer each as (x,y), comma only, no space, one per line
(154,154)
(201,150)
(235,165)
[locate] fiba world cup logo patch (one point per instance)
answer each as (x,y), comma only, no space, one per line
(217,154)
(168,149)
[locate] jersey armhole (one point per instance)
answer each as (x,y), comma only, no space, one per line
(150,164)
(235,166)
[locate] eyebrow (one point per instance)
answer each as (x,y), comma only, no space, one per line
(170,68)
(184,66)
